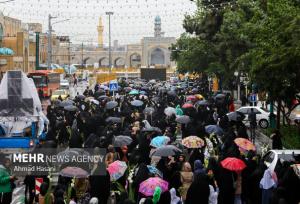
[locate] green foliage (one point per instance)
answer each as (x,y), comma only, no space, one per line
(261,38)
(290,136)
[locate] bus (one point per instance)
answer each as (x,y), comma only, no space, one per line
(46,81)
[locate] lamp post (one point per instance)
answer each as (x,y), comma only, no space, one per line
(238,75)
(109,36)
(49,56)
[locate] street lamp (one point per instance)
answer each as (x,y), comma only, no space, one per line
(238,75)
(49,56)
(109,13)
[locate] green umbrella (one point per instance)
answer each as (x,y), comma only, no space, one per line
(179,110)
(134,92)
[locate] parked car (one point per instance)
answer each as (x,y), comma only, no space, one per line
(262,115)
(61,92)
(274,158)
(64,84)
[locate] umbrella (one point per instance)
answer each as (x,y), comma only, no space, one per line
(66,103)
(193,142)
(100,98)
(236,116)
(56,103)
(233,164)
(143,93)
(137,103)
(244,144)
(214,129)
(113,120)
(148,186)
(74,172)
(151,129)
(98,93)
(191,98)
(171,93)
(156,99)
(111,105)
(202,103)
(169,111)
(154,170)
(127,89)
(149,111)
(220,96)
(188,105)
(199,97)
(134,92)
(104,87)
(116,170)
(71,108)
(94,101)
(143,97)
(165,151)
(80,97)
(179,111)
(159,141)
(146,88)
(122,140)
(184,119)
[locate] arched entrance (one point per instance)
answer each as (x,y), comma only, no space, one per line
(135,60)
(157,57)
(119,62)
(103,62)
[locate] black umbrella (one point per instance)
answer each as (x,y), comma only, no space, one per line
(165,151)
(113,120)
(220,96)
(137,103)
(71,108)
(80,97)
(104,97)
(66,103)
(202,103)
(111,104)
(236,116)
(122,140)
(184,119)
(98,93)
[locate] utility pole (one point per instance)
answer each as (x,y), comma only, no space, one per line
(37,50)
(82,55)
(49,56)
(109,34)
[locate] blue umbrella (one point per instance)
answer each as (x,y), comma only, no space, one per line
(154,170)
(137,103)
(214,129)
(159,141)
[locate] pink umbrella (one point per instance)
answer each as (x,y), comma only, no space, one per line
(116,170)
(188,105)
(191,98)
(148,186)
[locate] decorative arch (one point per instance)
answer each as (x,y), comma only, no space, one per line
(103,62)
(135,60)
(157,56)
(119,62)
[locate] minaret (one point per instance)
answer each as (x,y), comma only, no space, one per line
(100,34)
(157,27)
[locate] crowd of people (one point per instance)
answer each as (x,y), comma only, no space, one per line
(218,170)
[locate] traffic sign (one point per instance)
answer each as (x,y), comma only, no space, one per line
(253,98)
(113,86)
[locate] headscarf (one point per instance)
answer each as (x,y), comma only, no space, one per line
(268,180)
(198,167)
(156,195)
(174,198)
(186,167)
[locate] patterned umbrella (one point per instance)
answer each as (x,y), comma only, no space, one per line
(233,164)
(244,144)
(154,170)
(193,142)
(159,141)
(148,186)
(116,170)
(74,172)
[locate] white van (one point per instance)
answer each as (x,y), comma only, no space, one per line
(273,157)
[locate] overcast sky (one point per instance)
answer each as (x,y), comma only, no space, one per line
(132,19)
